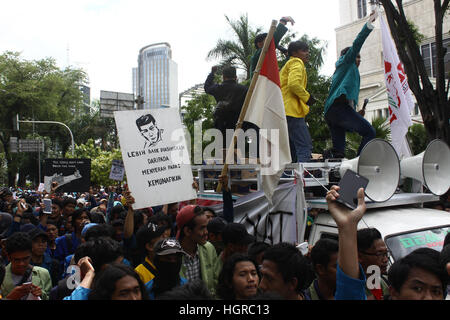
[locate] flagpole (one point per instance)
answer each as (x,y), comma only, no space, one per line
(230,150)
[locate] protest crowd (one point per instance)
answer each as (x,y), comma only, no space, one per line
(95,246)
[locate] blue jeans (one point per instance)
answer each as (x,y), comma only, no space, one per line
(300,141)
(342,118)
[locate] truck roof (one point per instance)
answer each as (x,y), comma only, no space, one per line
(395,220)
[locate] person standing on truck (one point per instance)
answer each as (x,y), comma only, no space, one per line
(297,100)
(280,31)
(229,95)
(340,106)
(372,251)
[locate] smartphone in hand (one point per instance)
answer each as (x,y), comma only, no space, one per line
(47,206)
(349,185)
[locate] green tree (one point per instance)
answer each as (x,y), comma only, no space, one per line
(3,170)
(239,51)
(417,138)
(36,90)
(102,130)
(318,86)
(353,139)
(433,101)
(101,161)
(200,108)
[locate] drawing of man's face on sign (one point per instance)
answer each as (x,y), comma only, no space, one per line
(149,130)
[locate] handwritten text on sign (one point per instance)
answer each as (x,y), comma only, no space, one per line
(155,156)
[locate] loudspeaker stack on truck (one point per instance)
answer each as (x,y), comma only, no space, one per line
(396,196)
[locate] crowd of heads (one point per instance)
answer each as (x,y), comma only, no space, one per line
(163,236)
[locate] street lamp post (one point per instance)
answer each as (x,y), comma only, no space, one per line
(51,122)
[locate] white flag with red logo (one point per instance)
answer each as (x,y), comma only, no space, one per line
(399,95)
(266,110)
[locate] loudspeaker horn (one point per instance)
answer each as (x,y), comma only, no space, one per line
(378,162)
(431,167)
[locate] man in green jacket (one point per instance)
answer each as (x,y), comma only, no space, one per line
(22,280)
(342,100)
(201,255)
(260,38)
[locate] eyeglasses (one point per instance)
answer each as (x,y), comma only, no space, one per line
(378,254)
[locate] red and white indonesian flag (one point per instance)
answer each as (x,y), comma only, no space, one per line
(266,110)
(399,95)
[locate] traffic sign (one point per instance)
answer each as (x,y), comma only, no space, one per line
(25,145)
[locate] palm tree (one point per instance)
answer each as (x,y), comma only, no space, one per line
(382,131)
(237,52)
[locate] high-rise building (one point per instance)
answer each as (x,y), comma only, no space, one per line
(155,79)
(353,15)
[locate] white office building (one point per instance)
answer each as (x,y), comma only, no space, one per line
(156,77)
(353,15)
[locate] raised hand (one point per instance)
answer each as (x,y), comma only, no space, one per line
(128,197)
(341,214)
(288,19)
(223,179)
(373,16)
(85,265)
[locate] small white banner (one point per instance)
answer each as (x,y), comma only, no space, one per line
(41,187)
(117,170)
(155,156)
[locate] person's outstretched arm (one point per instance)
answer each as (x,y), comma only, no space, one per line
(88,275)
(210,86)
(350,278)
(128,228)
(351,54)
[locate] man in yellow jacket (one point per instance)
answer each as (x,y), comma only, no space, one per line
(297,100)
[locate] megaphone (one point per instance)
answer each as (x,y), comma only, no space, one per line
(378,162)
(431,167)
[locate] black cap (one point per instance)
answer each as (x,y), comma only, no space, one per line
(236,233)
(37,232)
(147,233)
(216,225)
(168,246)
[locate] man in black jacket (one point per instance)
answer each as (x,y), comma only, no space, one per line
(230,97)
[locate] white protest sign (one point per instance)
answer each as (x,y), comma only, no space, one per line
(117,170)
(41,187)
(155,156)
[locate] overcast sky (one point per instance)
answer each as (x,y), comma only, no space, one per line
(104,36)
